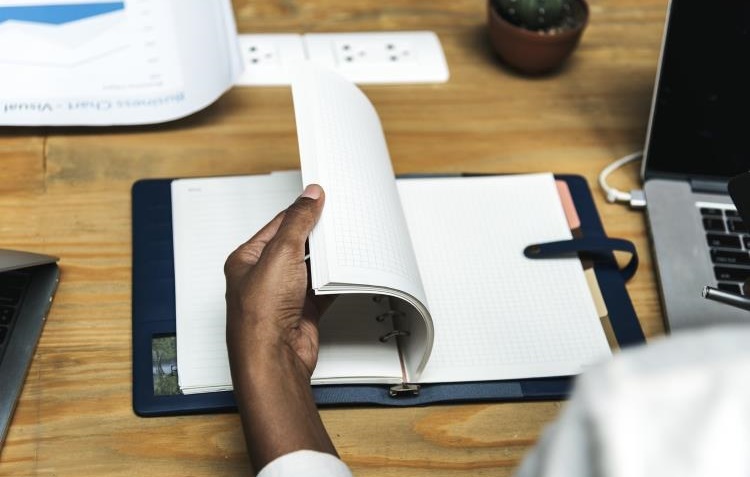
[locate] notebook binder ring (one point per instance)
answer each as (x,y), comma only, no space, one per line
(388,314)
(393,333)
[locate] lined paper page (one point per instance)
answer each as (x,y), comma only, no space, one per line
(210,218)
(497,314)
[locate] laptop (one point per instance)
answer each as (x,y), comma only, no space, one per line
(697,139)
(739,190)
(27,283)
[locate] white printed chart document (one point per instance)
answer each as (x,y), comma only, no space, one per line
(98,63)
(432,285)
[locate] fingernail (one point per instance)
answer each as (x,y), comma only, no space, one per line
(312,191)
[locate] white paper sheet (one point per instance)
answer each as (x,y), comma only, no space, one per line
(113,62)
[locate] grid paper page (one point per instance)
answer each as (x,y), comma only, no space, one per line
(497,314)
(342,147)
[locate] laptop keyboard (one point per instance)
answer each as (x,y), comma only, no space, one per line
(12,290)
(729,242)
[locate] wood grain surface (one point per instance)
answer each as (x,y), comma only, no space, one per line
(67,192)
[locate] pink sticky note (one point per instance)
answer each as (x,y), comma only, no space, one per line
(569,207)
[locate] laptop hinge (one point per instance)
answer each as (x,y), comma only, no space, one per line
(710,186)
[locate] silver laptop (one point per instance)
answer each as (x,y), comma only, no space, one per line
(27,283)
(698,137)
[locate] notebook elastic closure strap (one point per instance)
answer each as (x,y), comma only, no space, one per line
(594,248)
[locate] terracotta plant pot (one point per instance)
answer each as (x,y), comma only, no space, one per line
(533,52)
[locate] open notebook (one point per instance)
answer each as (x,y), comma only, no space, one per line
(433,285)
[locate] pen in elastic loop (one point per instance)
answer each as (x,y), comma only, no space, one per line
(593,247)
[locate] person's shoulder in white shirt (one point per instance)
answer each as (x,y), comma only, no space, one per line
(308,463)
(678,406)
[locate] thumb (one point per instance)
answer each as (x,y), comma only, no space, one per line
(299,220)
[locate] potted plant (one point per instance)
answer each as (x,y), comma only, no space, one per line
(536,36)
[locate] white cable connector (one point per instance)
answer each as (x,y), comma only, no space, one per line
(635,198)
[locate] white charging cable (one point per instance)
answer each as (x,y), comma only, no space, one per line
(635,198)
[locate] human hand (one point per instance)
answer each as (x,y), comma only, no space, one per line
(269,304)
(272,335)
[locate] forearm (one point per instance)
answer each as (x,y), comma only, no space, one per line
(277,408)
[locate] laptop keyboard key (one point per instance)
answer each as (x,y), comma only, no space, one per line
(723,240)
(713,224)
(13,279)
(6,314)
(3,333)
(730,257)
(731,213)
(10,296)
(11,287)
(735,225)
(710,211)
(730,287)
(746,240)
(732,274)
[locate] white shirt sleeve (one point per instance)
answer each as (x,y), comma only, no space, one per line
(679,406)
(308,463)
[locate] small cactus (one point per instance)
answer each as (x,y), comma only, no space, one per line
(534,14)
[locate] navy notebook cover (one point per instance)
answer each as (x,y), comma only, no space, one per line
(154,322)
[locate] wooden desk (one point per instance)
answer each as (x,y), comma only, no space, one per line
(69,194)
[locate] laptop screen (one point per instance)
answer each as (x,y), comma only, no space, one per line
(699,124)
